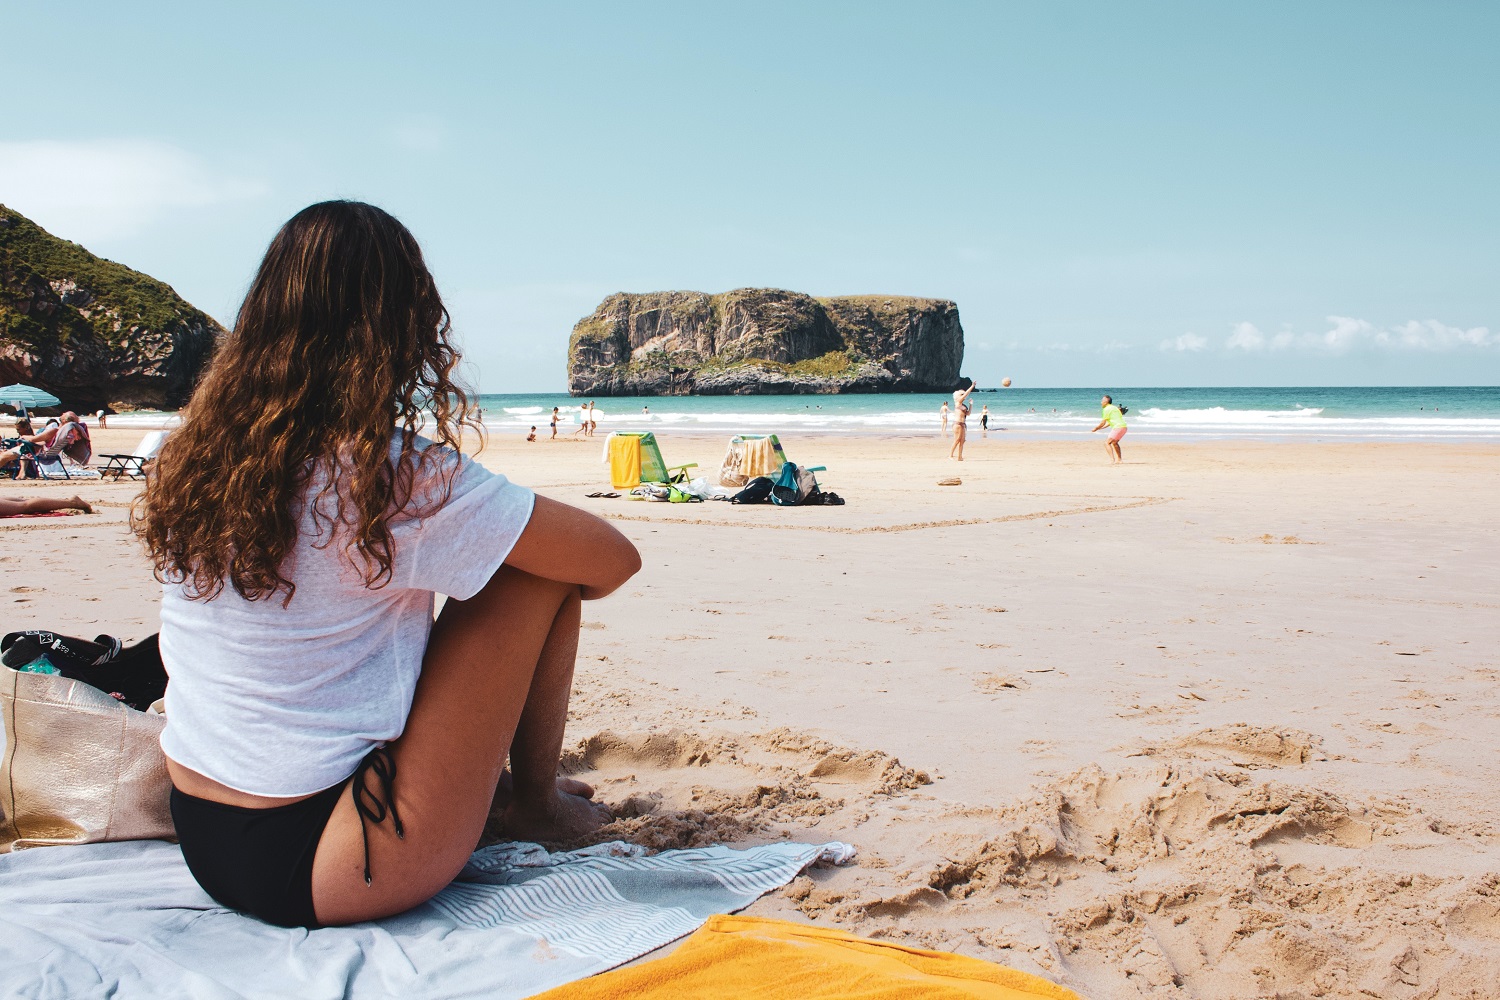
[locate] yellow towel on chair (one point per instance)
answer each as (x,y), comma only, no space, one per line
(760,458)
(731,957)
(624,462)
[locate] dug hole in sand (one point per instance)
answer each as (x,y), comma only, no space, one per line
(1207,868)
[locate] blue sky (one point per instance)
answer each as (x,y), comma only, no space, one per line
(1142,193)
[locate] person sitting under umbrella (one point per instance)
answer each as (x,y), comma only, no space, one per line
(69,437)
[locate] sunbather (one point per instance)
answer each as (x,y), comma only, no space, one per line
(68,437)
(13,506)
(334,752)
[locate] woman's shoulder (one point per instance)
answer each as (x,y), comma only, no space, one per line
(440,472)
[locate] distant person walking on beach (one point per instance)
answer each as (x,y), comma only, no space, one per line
(592,422)
(984,419)
(961,419)
(1114,418)
(103,424)
(554,422)
(944,411)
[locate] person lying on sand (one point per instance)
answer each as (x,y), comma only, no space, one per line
(335,752)
(13,506)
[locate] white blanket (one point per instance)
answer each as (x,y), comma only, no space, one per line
(127,920)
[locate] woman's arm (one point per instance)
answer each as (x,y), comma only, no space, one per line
(45,437)
(569,545)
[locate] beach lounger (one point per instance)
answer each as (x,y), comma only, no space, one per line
(70,459)
(52,465)
(635,458)
(134,464)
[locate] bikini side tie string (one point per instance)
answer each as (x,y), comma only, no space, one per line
(373,807)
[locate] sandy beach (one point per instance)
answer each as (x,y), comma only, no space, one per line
(1218,722)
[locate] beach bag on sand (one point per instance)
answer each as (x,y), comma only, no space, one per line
(757,490)
(80,766)
(795,487)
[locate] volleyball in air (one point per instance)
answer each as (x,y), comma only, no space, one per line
(1005,382)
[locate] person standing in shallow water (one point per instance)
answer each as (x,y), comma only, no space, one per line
(1114,419)
(943,410)
(334,751)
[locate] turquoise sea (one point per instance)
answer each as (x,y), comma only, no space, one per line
(1326,414)
(1336,413)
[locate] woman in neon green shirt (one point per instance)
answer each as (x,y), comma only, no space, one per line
(1114,418)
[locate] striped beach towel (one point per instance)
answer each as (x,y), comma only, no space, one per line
(126,920)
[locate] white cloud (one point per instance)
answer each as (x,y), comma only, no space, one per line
(1346,333)
(1434,336)
(1246,338)
(1186,342)
(103,189)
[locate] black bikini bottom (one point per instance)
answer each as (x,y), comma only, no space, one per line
(260,860)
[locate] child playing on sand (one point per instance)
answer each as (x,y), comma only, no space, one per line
(532,435)
(1114,417)
(335,752)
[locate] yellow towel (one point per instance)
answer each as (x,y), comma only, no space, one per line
(732,957)
(624,462)
(760,458)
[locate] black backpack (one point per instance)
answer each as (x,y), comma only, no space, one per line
(757,490)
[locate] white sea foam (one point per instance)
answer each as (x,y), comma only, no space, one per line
(795,414)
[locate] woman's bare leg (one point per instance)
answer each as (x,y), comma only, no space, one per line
(495,678)
(10,506)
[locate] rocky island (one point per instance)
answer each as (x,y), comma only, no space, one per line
(94,333)
(761,341)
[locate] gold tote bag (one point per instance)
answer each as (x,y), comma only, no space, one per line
(79,766)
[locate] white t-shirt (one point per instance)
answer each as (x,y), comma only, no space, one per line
(286,701)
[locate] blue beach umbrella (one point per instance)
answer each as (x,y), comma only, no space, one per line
(27,396)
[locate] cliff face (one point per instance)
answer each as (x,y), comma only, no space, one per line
(92,332)
(763,341)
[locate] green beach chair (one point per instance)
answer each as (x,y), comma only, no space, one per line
(781,459)
(635,458)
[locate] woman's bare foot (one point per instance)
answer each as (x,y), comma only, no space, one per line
(82,504)
(569,786)
(566,817)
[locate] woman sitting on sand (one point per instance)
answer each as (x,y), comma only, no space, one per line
(334,751)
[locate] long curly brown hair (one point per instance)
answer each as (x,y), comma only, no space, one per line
(341,339)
